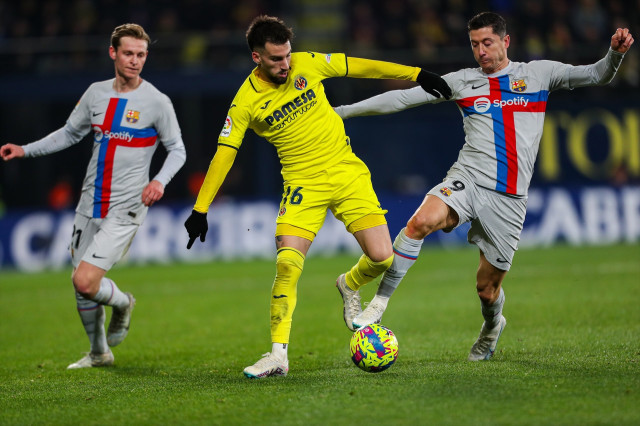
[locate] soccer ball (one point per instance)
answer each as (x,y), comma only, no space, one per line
(374,348)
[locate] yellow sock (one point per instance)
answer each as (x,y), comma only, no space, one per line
(366,270)
(289,263)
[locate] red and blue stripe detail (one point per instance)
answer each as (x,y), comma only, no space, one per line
(504,126)
(104,173)
(405,255)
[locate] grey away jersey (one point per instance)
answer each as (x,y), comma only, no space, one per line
(502,114)
(126,129)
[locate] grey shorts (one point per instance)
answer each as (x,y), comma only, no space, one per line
(100,242)
(496,219)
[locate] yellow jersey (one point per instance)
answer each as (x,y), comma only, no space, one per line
(296,117)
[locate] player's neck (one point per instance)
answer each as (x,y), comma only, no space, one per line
(264,79)
(504,64)
(122,85)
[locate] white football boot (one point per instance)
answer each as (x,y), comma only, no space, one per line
(119,324)
(350,300)
(371,315)
(267,366)
(485,346)
(93,360)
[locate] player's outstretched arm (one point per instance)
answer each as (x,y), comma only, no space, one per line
(369,68)
(10,151)
(196,224)
(621,40)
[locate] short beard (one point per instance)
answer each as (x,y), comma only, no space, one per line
(278,80)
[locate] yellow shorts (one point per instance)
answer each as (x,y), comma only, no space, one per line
(345,189)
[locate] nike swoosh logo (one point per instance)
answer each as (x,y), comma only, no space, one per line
(501,260)
(280,297)
(265,105)
(477,87)
(97,257)
(97,113)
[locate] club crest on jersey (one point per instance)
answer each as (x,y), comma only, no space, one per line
(518,85)
(282,211)
(132,116)
(445,191)
(300,82)
(226,129)
(328,57)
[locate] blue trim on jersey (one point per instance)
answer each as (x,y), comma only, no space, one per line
(104,145)
(97,194)
(497,116)
(499,138)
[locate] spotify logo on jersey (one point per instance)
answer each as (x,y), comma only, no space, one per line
(482,105)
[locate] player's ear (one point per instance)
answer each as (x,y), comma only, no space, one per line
(256,57)
(112,53)
(507,40)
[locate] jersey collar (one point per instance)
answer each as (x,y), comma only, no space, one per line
(501,72)
(258,84)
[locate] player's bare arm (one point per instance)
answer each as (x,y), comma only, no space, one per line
(10,151)
(621,40)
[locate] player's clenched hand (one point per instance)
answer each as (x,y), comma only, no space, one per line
(10,151)
(197,226)
(622,40)
(433,84)
(152,193)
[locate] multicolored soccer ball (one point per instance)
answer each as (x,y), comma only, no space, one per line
(374,348)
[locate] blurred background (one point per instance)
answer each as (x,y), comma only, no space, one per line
(51,50)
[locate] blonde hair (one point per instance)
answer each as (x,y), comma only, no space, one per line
(128,30)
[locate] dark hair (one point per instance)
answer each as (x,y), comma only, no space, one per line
(265,29)
(128,30)
(489,19)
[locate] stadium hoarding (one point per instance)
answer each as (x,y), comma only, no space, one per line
(34,240)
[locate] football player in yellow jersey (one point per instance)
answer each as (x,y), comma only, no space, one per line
(283,100)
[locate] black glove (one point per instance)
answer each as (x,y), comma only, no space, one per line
(433,84)
(197,226)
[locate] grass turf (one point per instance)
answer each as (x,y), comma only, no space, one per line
(569,355)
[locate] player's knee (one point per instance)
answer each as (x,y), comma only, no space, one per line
(419,226)
(488,291)
(381,254)
(289,260)
(83,284)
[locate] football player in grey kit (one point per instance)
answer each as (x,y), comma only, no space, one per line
(128,116)
(502,105)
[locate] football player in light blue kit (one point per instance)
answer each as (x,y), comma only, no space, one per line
(128,117)
(502,105)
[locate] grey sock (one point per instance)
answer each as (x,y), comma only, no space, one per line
(491,313)
(109,294)
(406,251)
(92,316)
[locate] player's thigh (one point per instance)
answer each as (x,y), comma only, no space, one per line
(304,204)
(375,242)
(84,229)
(432,215)
(110,242)
(354,197)
(457,194)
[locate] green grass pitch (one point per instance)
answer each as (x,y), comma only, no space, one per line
(570,354)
